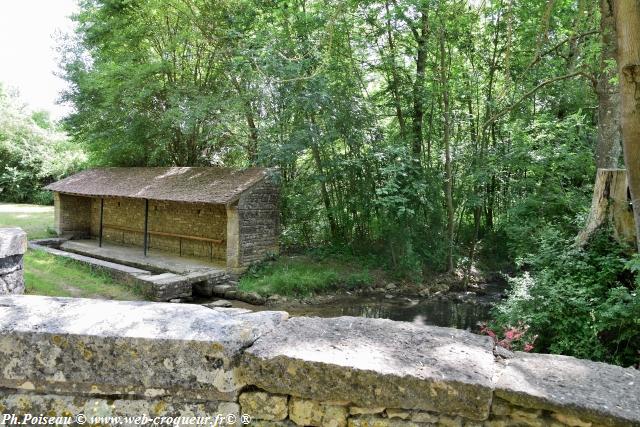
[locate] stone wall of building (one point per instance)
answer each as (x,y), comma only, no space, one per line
(72,214)
(13,245)
(62,357)
(188,219)
(259,222)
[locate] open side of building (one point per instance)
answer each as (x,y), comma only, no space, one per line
(218,214)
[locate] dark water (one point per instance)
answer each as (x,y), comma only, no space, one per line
(462,311)
(452,313)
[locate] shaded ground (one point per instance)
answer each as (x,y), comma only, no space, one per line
(46,274)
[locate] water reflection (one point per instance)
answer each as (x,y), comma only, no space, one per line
(451,313)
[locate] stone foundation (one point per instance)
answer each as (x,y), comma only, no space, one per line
(64,357)
(13,244)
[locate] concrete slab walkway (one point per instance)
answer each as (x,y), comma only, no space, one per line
(160,276)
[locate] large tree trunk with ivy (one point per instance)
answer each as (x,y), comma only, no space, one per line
(610,208)
(628,30)
(609,146)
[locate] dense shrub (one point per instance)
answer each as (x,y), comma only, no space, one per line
(582,302)
(33,152)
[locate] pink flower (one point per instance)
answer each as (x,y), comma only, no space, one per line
(513,334)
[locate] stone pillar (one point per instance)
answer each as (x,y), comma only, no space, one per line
(233,239)
(57,213)
(13,244)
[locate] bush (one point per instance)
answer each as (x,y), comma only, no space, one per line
(32,153)
(582,302)
(304,276)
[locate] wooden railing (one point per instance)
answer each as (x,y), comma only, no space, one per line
(165,234)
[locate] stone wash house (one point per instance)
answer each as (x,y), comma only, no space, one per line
(223,215)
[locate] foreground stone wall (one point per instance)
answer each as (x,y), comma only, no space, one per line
(13,245)
(62,357)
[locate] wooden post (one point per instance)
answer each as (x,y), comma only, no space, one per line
(101,218)
(146,224)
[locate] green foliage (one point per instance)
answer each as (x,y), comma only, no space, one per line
(582,302)
(330,92)
(555,158)
(304,276)
(33,152)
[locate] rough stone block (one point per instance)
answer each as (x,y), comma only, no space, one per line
(500,407)
(10,264)
(424,417)
(13,241)
(12,283)
(591,391)
(356,410)
(376,363)
(229,408)
(118,348)
(165,286)
(445,421)
(264,406)
(571,420)
(266,423)
(376,421)
(402,414)
(310,413)
(64,406)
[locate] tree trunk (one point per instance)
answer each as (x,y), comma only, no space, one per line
(418,86)
(448,173)
(609,145)
(395,79)
(628,30)
(610,207)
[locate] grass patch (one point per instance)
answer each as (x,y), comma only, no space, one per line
(304,276)
(36,220)
(46,274)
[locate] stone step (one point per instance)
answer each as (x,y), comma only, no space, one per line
(165,286)
(212,276)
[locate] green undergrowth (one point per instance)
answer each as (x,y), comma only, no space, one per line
(46,274)
(577,301)
(306,275)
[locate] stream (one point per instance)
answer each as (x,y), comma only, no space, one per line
(457,310)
